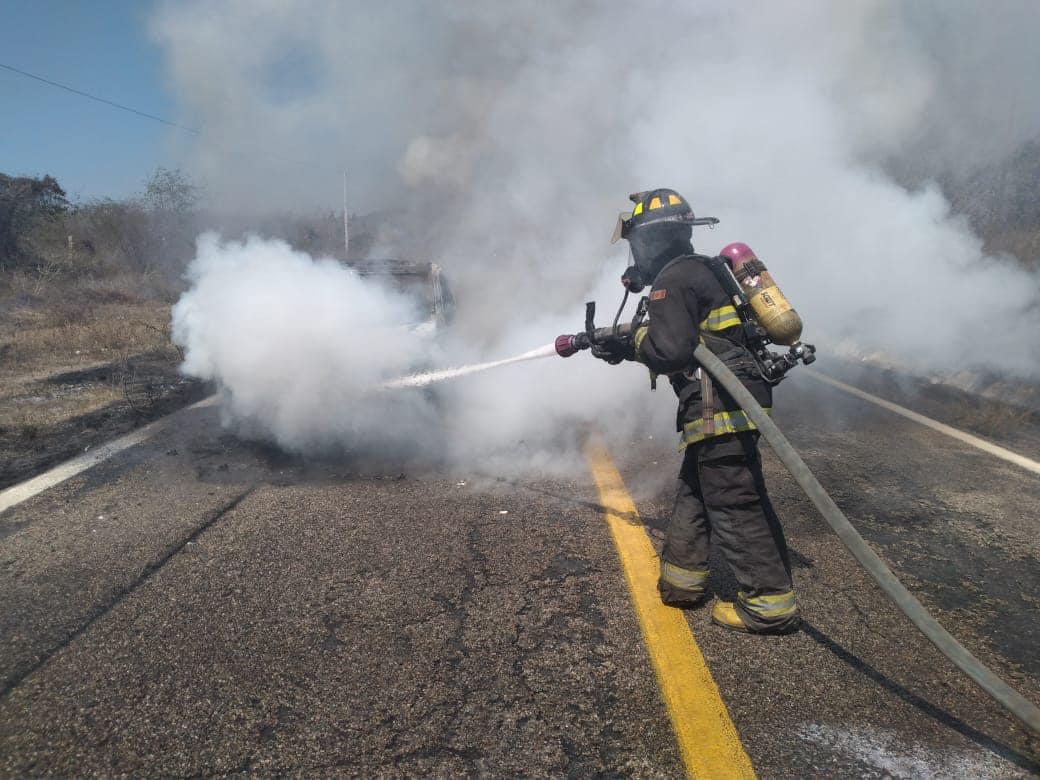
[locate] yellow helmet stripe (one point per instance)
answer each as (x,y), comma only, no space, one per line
(655,203)
(637,210)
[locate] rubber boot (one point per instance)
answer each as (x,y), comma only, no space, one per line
(685,599)
(725,614)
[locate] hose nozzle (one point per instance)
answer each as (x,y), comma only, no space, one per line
(566,346)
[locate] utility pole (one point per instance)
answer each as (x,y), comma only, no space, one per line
(346,221)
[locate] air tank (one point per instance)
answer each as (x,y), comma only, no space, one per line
(769,305)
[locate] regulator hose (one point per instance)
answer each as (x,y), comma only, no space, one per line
(1008,697)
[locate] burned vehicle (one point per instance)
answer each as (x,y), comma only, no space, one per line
(423,283)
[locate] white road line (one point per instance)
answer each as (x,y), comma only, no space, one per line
(935,425)
(16,494)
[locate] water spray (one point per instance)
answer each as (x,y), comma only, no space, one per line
(424,378)
(564,346)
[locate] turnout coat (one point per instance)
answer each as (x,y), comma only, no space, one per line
(687,306)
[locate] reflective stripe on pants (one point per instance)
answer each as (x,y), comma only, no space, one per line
(687,579)
(725,422)
(769,607)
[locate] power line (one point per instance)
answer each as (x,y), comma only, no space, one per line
(98,99)
(192,130)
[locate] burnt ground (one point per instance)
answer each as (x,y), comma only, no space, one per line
(102,401)
(203,606)
(80,365)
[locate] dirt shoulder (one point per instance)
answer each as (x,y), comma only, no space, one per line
(79,369)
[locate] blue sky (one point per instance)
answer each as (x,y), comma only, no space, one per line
(101,47)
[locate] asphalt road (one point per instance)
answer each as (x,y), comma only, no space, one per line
(203,606)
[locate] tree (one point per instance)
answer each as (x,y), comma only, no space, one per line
(169,198)
(170,191)
(24,201)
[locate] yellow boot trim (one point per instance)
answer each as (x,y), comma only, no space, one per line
(725,614)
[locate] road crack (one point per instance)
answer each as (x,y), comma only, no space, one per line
(120,595)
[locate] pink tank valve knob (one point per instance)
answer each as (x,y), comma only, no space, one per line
(736,254)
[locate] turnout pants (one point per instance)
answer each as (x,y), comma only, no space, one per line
(722,492)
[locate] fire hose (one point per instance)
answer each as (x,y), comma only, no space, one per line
(1005,695)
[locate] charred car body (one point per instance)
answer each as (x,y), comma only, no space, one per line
(423,283)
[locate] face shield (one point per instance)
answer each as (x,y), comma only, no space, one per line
(619,228)
(624,224)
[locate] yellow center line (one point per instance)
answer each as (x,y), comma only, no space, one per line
(708,740)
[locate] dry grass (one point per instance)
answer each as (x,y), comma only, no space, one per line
(47,330)
(78,332)
(990,417)
(29,415)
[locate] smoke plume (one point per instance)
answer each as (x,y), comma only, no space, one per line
(501,139)
(300,347)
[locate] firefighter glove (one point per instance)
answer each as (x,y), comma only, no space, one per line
(614,349)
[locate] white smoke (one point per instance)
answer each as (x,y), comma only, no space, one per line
(306,353)
(507,136)
(300,347)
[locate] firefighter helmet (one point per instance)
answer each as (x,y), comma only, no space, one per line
(656,207)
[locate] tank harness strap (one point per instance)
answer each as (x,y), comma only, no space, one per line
(707,403)
(750,268)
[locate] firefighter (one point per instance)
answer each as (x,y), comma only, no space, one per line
(721,487)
